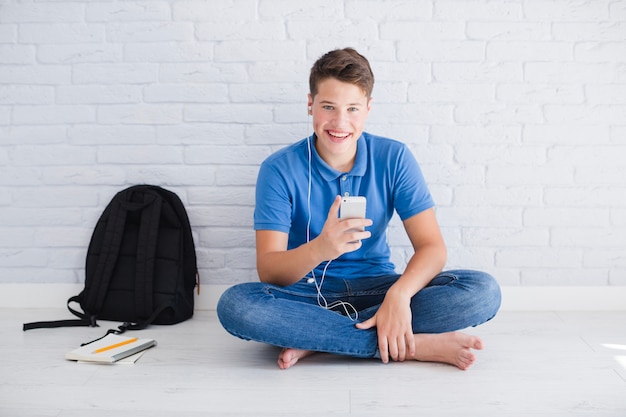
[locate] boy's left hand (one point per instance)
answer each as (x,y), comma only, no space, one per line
(393,325)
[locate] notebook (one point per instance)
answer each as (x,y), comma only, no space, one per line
(110,349)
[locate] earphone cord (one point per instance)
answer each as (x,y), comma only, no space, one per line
(308,202)
(321,300)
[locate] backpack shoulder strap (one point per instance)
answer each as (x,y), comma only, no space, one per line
(146,252)
(84,320)
(92,296)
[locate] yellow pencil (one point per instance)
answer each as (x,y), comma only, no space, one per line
(125,342)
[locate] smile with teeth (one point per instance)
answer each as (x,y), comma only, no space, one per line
(338,135)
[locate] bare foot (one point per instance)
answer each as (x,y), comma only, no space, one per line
(454,348)
(289,357)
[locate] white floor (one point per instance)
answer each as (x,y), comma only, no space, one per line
(534,364)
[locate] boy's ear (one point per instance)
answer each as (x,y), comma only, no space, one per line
(310,104)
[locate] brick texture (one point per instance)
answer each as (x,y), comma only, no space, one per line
(516,110)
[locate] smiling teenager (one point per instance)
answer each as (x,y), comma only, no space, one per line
(325,284)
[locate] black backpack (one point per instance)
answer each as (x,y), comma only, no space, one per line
(141,263)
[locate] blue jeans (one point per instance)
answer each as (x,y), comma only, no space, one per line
(291,317)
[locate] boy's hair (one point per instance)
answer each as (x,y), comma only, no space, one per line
(346,65)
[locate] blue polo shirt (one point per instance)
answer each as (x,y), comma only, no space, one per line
(385,172)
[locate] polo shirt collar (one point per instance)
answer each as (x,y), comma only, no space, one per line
(331,174)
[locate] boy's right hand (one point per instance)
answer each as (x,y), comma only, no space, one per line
(334,239)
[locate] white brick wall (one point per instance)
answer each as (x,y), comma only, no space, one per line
(515,109)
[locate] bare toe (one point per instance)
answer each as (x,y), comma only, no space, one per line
(454,348)
(289,357)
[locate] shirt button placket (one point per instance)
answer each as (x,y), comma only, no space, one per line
(344,185)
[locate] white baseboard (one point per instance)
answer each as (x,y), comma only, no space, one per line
(513,298)
(56,295)
(609,298)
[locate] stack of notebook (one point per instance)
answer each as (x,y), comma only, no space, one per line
(111,349)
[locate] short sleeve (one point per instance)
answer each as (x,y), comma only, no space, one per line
(272,201)
(411,194)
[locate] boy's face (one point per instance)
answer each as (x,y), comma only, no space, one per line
(339,113)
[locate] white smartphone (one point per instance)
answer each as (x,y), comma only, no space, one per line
(353,207)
